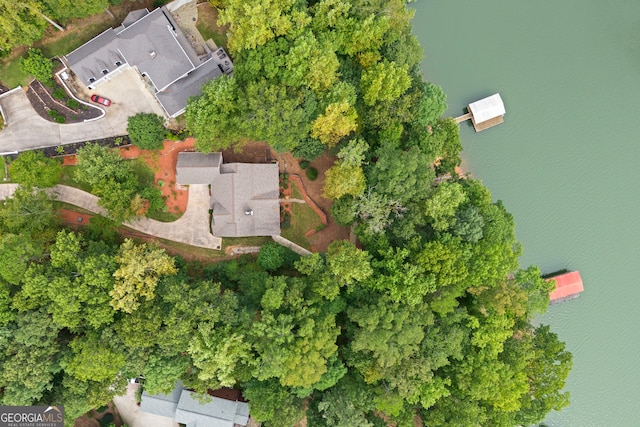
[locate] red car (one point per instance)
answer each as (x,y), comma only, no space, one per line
(100,100)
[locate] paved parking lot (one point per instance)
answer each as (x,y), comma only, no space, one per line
(26,130)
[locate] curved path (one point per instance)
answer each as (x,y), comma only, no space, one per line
(192,228)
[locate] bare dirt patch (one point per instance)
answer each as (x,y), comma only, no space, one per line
(288,164)
(251,152)
(208,27)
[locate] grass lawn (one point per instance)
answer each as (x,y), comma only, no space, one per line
(145,175)
(295,191)
(190,252)
(303,219)
(63,205)
(244,241)
(164,216)
(69,178)
(73,38)
(10,73)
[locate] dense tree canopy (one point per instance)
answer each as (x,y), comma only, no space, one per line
(33,169)
(429,315)
(146,130)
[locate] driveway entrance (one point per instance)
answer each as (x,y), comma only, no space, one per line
(26,130)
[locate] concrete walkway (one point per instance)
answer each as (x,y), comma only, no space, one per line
(293,246)
(191,229)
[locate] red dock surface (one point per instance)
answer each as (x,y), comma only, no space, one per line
(567,285)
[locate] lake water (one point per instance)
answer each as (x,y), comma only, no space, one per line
(565,163)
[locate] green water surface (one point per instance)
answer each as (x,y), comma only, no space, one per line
(566,163)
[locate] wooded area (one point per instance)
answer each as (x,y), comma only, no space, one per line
(430,317)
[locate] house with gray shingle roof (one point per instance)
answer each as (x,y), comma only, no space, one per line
(153,44)
(184,407)
(244,196)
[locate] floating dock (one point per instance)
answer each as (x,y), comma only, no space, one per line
(568,286)
(484,114)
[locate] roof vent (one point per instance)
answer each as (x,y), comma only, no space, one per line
(105,72)
(152,54)
(118,63)
(92,79)
(249,212)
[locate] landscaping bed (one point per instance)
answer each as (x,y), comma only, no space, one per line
(55,105)
(67,149)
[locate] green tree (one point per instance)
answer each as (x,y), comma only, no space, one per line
(216,117)
(65,9)
(93,359)
(354,153)
(28,211)
(16,252)
(469,223)
(338,121)
(97,164)
(278,114)
(273,404)
(348,264)
(146,131)
(29,356)
(547,371)
(111,178)
(339,411)
(21,23)
(254,23)
(343,180)
(33,169)
(271,256)
(384,81)
(431,106)
(383,334)
(140,268)
(441,207)
(312,64)
(294,337)
(38,66)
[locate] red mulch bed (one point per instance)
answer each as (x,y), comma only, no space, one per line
(163,164)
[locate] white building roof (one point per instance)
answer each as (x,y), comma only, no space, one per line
(487,108)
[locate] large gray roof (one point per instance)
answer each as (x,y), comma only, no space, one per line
(244,199)
(184,407)
(152,46)
(215,413)
(244,196)
(197,168)
(98,54)
(174,98)
(161,404)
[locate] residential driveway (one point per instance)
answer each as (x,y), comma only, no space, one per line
(26,130)
(192,228)
(130,411)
